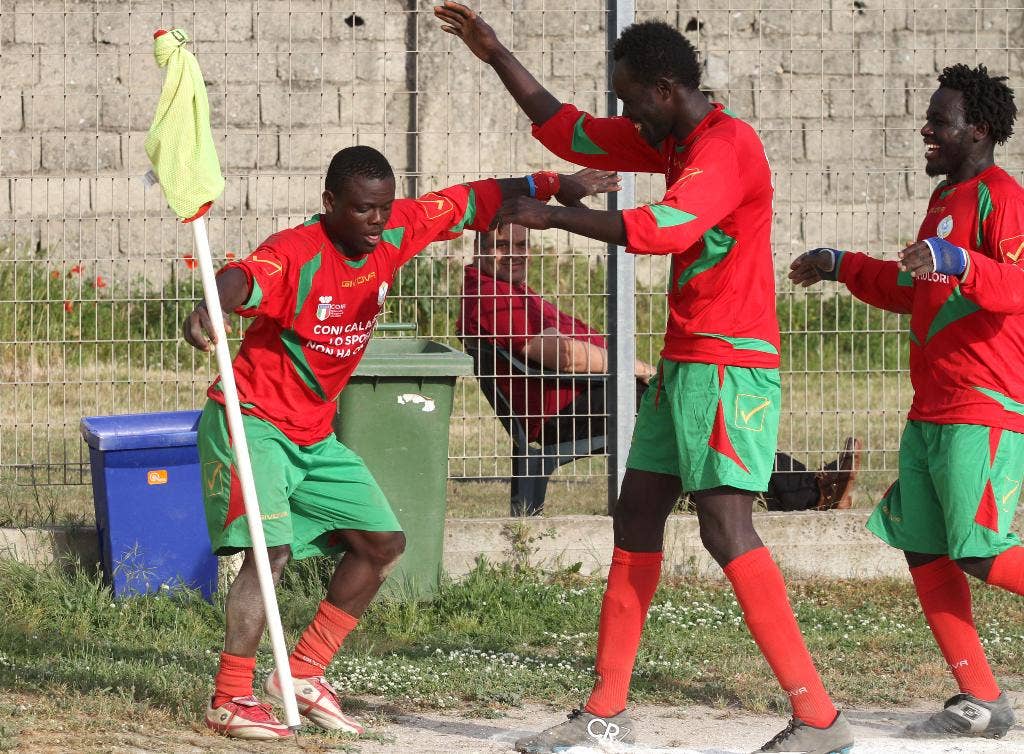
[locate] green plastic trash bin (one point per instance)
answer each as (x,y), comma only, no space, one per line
(395,413)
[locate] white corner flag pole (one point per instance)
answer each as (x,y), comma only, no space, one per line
(244,468)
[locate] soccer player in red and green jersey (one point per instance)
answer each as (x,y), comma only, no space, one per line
(962,451)
(708,425)
(316,292)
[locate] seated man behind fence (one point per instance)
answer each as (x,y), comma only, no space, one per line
(499,307)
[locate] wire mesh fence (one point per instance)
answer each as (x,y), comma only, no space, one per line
(96,277)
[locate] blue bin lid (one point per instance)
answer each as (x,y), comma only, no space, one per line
(169,429)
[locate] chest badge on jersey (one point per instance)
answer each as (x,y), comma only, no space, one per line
(382,293)
(325,309)
(945,226)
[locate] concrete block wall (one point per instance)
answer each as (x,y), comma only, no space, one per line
(836,88)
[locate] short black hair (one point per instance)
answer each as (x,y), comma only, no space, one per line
(656,50)
(987,99)
(359,160)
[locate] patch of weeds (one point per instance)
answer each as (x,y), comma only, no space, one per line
(522,543)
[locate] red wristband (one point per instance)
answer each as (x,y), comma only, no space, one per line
(546,184)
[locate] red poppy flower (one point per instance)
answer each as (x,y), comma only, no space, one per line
(190,261)
(54,274)
(76,270)
(69,307)
(229,255)
(100,282)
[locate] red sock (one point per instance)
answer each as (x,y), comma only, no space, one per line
(946,601)
(1007,570)
(320,641)
(233,679)
(761,593)
(631,583)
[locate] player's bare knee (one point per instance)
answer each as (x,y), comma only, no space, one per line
(385,550)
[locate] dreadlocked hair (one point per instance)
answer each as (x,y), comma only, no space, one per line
(656,50)
(362,161)
(987,99)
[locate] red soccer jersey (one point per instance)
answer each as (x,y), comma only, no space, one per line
(510,316)
(715,220)
(315,308)
(966,336)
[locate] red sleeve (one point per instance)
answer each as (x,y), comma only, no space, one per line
(877,282)
(268,270)
(603,143)
(709,189)
(441,216)
(997,284)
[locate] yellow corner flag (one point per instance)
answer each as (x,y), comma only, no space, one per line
(180,143)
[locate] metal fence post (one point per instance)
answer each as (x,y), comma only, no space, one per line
(621,308)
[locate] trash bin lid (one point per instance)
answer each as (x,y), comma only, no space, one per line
(412,357)
(169,429)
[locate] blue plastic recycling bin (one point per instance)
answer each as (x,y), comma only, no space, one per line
(146,485)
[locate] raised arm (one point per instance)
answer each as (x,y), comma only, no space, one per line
(536,101)
(554,350)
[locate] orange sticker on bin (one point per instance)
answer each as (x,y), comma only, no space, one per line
(157,476)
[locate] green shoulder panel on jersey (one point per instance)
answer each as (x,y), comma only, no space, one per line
(314,219)
(669,217)
(393,236)
(306,274)
(743,344)
(468,216)
(293,348)
(717,244)
(581,143)
(255,296)
(955,307)
(904,280)
(984,210)
(1005,401)
(943,191)
(913,338)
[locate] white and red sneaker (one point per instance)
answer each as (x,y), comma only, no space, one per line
(245,717)
(318,701)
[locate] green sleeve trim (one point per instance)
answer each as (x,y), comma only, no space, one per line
(1005,401)
(393,236)
(744,344)
(255,296)
(293,348)
(669,217)
(468,216)
(905,280)
(306,274)
(985,208)
(957,306)
(717,244)
(581,143)
(312,220)
(913,338)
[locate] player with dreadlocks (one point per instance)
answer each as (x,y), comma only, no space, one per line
(962,451)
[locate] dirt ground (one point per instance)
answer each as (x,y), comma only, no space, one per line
(675,730)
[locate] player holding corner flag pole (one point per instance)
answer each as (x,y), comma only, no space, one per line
(314,293)
(180,146)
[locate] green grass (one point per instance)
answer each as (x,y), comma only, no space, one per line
(500,637)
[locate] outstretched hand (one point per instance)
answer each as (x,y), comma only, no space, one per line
(522,210)
(460,21)
(814,266)
(586,182)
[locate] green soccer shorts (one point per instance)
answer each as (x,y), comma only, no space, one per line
(956,493)
(710,425)
(306,493)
